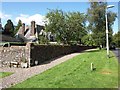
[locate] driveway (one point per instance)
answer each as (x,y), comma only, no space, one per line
(117,53)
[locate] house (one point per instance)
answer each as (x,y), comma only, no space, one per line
(29,33)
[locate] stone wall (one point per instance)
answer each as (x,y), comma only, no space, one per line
(43,53)
(36,54)
(14,53)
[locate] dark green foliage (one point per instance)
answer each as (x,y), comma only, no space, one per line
(88,40)
(116,39)
(75,26)
(42,39)
(68,27)
(9,28)
(56,23)
(97,22)
(18,26)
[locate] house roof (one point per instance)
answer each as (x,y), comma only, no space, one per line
(7,38)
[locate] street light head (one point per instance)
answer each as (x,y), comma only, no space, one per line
(110,6)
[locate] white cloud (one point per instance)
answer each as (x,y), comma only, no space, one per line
(24,15)
(39,19)
(4,16)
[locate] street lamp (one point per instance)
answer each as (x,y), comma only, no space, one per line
(107,41)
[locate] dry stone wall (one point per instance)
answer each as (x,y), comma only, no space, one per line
(35,54)
(13,54)
(44,53)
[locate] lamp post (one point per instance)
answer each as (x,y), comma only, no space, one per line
(107,41)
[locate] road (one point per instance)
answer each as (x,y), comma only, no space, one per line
(117,53)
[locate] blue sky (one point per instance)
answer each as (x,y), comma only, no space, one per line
(37,10)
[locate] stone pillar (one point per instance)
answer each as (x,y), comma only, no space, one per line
(23,28)
(32,28)
(28,53)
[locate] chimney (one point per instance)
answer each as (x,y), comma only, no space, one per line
(23,28)
(32,28)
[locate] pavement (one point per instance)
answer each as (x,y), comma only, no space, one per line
(117,53)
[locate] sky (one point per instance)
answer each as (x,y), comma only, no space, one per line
(28,11)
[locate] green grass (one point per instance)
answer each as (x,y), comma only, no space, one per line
(5,74)
(76,73)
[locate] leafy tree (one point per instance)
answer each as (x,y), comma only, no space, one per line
(43,39)
(116,39)
(88,40)
(96,18)
(56,24)
(67,27)
(9,28)
(18,26)
(75,25)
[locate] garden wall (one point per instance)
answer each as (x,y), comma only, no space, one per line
(43,53)
(14,54)
(36,53)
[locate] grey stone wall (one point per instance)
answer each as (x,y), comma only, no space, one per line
(44,53)
(14,53)
(36,53)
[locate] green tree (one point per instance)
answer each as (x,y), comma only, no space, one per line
(68,27)
(116,39)
(88,40)
(43,39)
(96,18)
(9,28)
(56,24)
(18,26)
(75,26)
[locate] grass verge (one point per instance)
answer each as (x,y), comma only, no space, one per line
(76,73)
(5,74)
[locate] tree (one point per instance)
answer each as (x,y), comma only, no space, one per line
(56,24)
(88,40)
(96,18)
(75,25)
(9,28)
(116,39)
(42,39)
(18,26)
(67,27)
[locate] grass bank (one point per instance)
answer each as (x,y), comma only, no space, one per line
(76,73)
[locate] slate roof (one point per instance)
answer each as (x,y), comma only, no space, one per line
(7,38)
